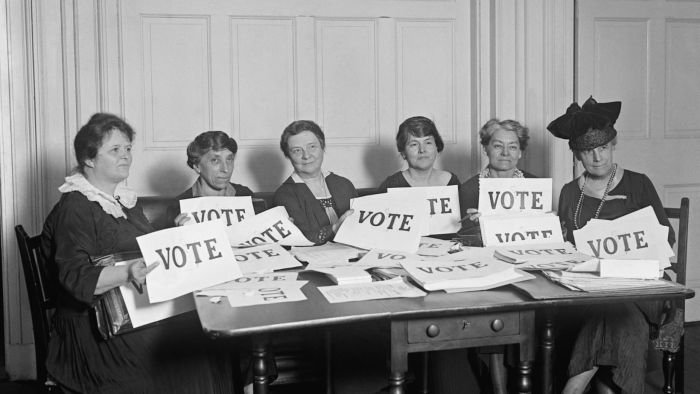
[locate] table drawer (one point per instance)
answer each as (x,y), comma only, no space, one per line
(463,327)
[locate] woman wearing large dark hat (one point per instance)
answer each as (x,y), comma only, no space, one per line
(612,342)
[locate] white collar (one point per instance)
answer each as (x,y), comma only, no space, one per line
(110,204)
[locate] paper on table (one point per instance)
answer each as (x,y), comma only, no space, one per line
(322,253)
(264,258)
(248,281)
(507,278)
(271,226)
(231,209)
(265,294)
(520,230)
(382,258)
(499,196)
(346,275)
(393,288)
(436,247)
(633,269)
(191,258)
(379,221)
(441,204)
(542,256)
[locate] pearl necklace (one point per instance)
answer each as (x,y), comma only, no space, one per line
(577,213)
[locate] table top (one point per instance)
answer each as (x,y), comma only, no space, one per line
(222,320)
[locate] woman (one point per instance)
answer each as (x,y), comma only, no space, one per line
(504,143)
(211,156)
(96,216)
(419,143)
(612,341)
(318,202)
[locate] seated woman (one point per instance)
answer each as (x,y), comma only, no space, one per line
(504,143)
(419,143)
(614,339)
(211,156)
(96,216)
(317,202)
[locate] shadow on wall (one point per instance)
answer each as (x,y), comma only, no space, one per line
(380,161)
(168,180)
(455,161)
(268,166)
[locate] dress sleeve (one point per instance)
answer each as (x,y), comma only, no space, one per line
(75,239)
(650,197)
(453,180)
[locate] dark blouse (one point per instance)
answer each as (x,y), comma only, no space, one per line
(168,357)
(638,192)
(306,210)
(398,180)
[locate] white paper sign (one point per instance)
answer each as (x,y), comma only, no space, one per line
(520,230)
(249,281)
(637,269)
(441,203)
(385,258)
(142,312)
(267,294)
(231,209)
(437,247)
(639,236)
(498,196)
(264,258)
(271,226)
(381,221)
(393,288)
(191,258)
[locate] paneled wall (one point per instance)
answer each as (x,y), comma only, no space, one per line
(249,67)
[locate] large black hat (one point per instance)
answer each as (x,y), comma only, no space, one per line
(589,126)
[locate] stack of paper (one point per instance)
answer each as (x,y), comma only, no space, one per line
(346,275)
(591,282)
(550,256)
(394,288)
(463,274)
(258,289)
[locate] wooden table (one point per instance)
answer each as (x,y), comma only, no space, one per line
(437,321)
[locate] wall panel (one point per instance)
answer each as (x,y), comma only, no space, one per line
(682,78)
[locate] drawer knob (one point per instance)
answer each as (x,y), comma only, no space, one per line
(432,331)
(497,325)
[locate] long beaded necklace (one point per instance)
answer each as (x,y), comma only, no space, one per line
(577,213)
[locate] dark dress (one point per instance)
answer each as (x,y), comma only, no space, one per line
(616,335)
(168,357)
(398,180)
(306,211)
(174,210)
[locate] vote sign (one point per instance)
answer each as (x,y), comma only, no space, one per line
(232,210)
(519,230)
(441,203)
(499,196)
(191,258)
(271,226)
(382,222)
(264,258)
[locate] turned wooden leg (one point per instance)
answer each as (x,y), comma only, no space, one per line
(260,381)
(669,363)
(525,377)
(547,348)
(424,370)
(399,357)
(328,364)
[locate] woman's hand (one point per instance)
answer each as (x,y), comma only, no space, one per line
(138,270)
(342,219)
(181,219)
(472,214)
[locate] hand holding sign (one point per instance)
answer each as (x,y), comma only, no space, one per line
(137,271)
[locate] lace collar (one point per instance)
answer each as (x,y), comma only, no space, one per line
(485,173)
(110,204)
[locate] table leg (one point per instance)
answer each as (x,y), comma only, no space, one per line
(260,372)
(399,357)
(525,377)
(547,342)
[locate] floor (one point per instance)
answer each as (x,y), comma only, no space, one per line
(692,361)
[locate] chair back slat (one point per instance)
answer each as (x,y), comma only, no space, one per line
(40,292)
(682,214)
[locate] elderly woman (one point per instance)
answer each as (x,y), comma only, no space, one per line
(612,340)
(504,143)
(211,156)
(317,201)
(96,216)
(419,143)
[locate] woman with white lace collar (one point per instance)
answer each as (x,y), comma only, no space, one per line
(96,216)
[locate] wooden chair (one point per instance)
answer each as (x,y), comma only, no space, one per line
(41,301)
(673,363)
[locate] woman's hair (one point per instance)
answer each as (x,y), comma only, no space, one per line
(209,140)
(297,127)
(417,126)
(91,136)
(494,124)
